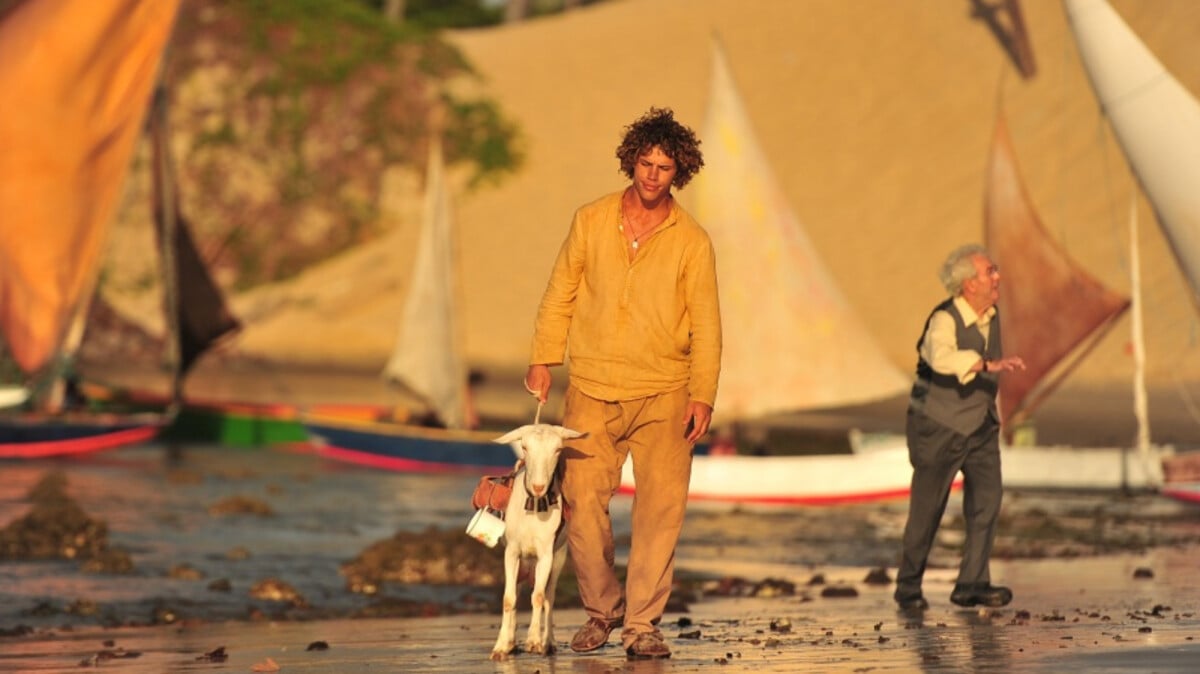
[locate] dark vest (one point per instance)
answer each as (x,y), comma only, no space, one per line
(962,408)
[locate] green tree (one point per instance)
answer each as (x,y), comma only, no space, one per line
(435,14)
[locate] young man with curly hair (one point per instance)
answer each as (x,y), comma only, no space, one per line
(634,294)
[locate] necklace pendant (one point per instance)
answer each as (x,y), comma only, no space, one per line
(634,244)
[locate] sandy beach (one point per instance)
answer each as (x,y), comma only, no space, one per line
(1103,582)
(1069,615)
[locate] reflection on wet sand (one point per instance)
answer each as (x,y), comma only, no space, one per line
(963,642)
(613,664)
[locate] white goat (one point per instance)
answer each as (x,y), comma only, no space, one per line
(533,532)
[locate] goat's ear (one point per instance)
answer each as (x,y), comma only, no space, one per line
(513,435)
(568,434)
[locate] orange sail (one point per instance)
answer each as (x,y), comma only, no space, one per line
(76,79)
(1054,312)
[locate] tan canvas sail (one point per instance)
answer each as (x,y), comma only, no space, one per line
(792,341)
(75,80)
(428,354)
(1053,310)
(1156,121)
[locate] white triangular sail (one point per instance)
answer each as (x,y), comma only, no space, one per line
(1156,121)
(791,340)
(428,355)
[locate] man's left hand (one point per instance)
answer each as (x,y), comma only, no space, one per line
(1007,364)
(698,417)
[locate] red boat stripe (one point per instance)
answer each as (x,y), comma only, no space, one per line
(34,450)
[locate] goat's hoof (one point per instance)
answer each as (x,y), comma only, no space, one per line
(539,649)
(500,655)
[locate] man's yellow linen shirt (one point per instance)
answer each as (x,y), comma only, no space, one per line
(636,328)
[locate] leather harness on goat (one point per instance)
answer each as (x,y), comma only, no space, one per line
(493,493)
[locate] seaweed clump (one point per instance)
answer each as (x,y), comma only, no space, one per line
(57,528)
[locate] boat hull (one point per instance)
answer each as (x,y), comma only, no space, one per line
(405,448)
(209,421)
(232,423)
(415,449)
(874,475)
(831,479)
(39,437)
(1189,493)
(1081,468)
(236,426)
(1181,477)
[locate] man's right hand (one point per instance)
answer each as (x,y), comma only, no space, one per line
(537,382)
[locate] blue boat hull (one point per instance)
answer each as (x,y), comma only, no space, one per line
(400,447)
(409,448)
(37,436)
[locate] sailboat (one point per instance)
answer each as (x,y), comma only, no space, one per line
(1053,322)
(1055,312)
(1157,125)
(427,360)
(1156,122)
(85,73)
(792,340)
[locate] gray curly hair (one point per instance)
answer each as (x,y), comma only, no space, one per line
(959,267)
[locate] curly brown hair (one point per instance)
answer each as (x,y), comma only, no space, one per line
(658,128)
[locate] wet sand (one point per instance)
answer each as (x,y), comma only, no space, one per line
(1071,559)
(1069,615)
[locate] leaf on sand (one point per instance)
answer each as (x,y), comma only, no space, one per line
(267,665)
(217,654)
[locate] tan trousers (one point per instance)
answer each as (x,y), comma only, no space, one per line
(651,431)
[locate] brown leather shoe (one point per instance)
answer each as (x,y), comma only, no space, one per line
(592,635)
(649,645)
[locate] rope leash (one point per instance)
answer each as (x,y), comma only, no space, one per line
(538,415)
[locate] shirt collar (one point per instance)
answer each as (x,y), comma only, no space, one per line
(968,314)
(672,216)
